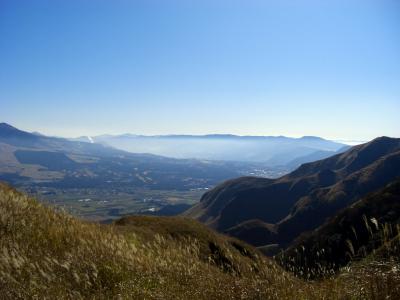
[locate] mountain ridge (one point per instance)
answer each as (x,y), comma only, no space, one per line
(271,150)
(354,232)
(304,198)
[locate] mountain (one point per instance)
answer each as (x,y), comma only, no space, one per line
(314,156)
(301,200)
(272,150)
(354,232)
(14,137)
(17,137)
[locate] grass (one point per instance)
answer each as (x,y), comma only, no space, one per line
(48,254)
(365,228)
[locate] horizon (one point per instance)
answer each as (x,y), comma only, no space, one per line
(274,68)
(89,137)
(206,149)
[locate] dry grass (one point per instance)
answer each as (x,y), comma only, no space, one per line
(46,254)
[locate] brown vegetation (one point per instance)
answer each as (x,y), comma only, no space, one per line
(46,254)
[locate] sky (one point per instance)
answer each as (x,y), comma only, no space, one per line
(289,67)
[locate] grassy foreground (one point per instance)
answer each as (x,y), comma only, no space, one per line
(45,254)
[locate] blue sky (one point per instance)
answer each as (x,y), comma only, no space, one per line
(326,68)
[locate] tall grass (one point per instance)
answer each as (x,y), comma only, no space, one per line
(46,254)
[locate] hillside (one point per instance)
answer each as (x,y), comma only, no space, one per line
(353,233)
(49,254)
(301,200)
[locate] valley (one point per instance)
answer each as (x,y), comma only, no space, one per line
(107,204)
(240,224)
(199,150)
(64,173)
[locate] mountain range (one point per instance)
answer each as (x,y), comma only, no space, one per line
(270,150)
(271,213)
(30,157)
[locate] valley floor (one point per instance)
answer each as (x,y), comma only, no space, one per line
(107,204)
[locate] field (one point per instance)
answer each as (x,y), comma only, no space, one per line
(107,204)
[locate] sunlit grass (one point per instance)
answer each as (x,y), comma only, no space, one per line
(46,254)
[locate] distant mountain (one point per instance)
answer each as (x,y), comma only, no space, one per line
(272,150)
(317,155)
(37,160)
(302,200)
(15,136)
(86,139)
